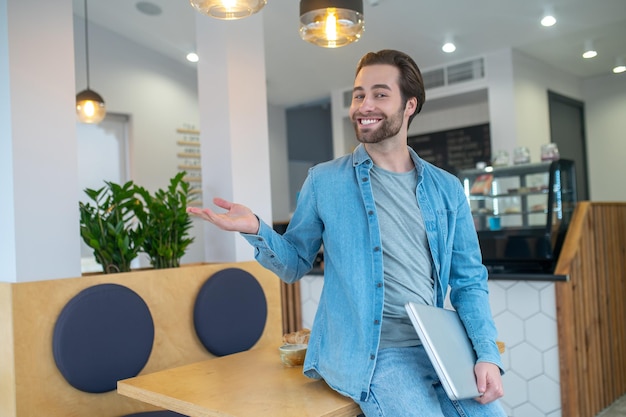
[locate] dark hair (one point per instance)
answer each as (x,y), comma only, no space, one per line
(410,82)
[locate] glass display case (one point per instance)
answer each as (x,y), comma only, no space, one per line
(521,213)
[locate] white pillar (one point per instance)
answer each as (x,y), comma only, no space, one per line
(233,125)
(502,103)
(39,219)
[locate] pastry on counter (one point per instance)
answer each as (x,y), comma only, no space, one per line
(301,337)
(512,210)
(482,184)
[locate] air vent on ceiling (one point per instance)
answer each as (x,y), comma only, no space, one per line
(434,78)
(466,71)
(453,74)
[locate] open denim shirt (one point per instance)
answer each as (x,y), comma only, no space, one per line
(336,207)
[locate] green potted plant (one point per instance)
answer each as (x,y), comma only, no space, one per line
(107,226)
(165,223)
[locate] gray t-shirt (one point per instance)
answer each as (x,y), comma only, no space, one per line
(407,261)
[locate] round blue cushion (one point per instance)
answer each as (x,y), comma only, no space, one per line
(104,334)
(230,312)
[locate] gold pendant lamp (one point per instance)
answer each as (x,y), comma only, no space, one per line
(331,23)
(228,9)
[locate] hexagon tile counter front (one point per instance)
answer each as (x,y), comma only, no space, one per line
(525,316)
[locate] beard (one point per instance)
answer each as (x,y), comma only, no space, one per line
(389,127)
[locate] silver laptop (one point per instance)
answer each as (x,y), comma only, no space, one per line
(446,342)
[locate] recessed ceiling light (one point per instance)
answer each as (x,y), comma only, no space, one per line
(193,57)
(448,47)
(148,8)
(589,51)
(619,67)
(548,20)
(590,54)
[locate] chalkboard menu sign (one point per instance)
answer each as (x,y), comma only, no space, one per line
(455,149)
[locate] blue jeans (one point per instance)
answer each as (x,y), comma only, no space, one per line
(405,385)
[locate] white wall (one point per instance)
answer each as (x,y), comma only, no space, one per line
(533,79)
(502,105)
(38,190)
(277,125)
(605,109)
(233,119)
(8,254)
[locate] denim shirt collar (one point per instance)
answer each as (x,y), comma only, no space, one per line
(360,156)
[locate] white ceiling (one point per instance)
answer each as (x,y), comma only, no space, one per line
(298,72)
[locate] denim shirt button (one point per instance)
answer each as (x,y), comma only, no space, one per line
(372,357)
(364,179)
(376,322)
(377,249)
(371,212)
(379,285)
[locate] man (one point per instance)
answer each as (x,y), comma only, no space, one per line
(394,229)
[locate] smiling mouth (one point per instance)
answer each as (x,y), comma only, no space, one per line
(368,121)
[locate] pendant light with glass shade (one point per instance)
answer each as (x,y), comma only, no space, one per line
(228,9)
(331,23)
(90,106)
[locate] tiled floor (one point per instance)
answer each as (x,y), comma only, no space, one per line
(617,409)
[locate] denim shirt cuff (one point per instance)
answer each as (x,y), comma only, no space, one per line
(488,352)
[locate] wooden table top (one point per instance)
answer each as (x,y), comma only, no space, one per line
(252,383)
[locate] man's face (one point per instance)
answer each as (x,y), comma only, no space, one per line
(376,111)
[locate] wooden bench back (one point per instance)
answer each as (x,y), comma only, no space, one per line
(31,384)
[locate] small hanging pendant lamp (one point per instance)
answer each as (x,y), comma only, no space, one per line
(90,106)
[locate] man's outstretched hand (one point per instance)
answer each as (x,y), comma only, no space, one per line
(237,218)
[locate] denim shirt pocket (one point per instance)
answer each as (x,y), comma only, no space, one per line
(446,219)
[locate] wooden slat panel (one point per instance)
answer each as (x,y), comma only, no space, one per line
(615,259)
(291,307)
(591,310)
(615,262)
(603,281)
